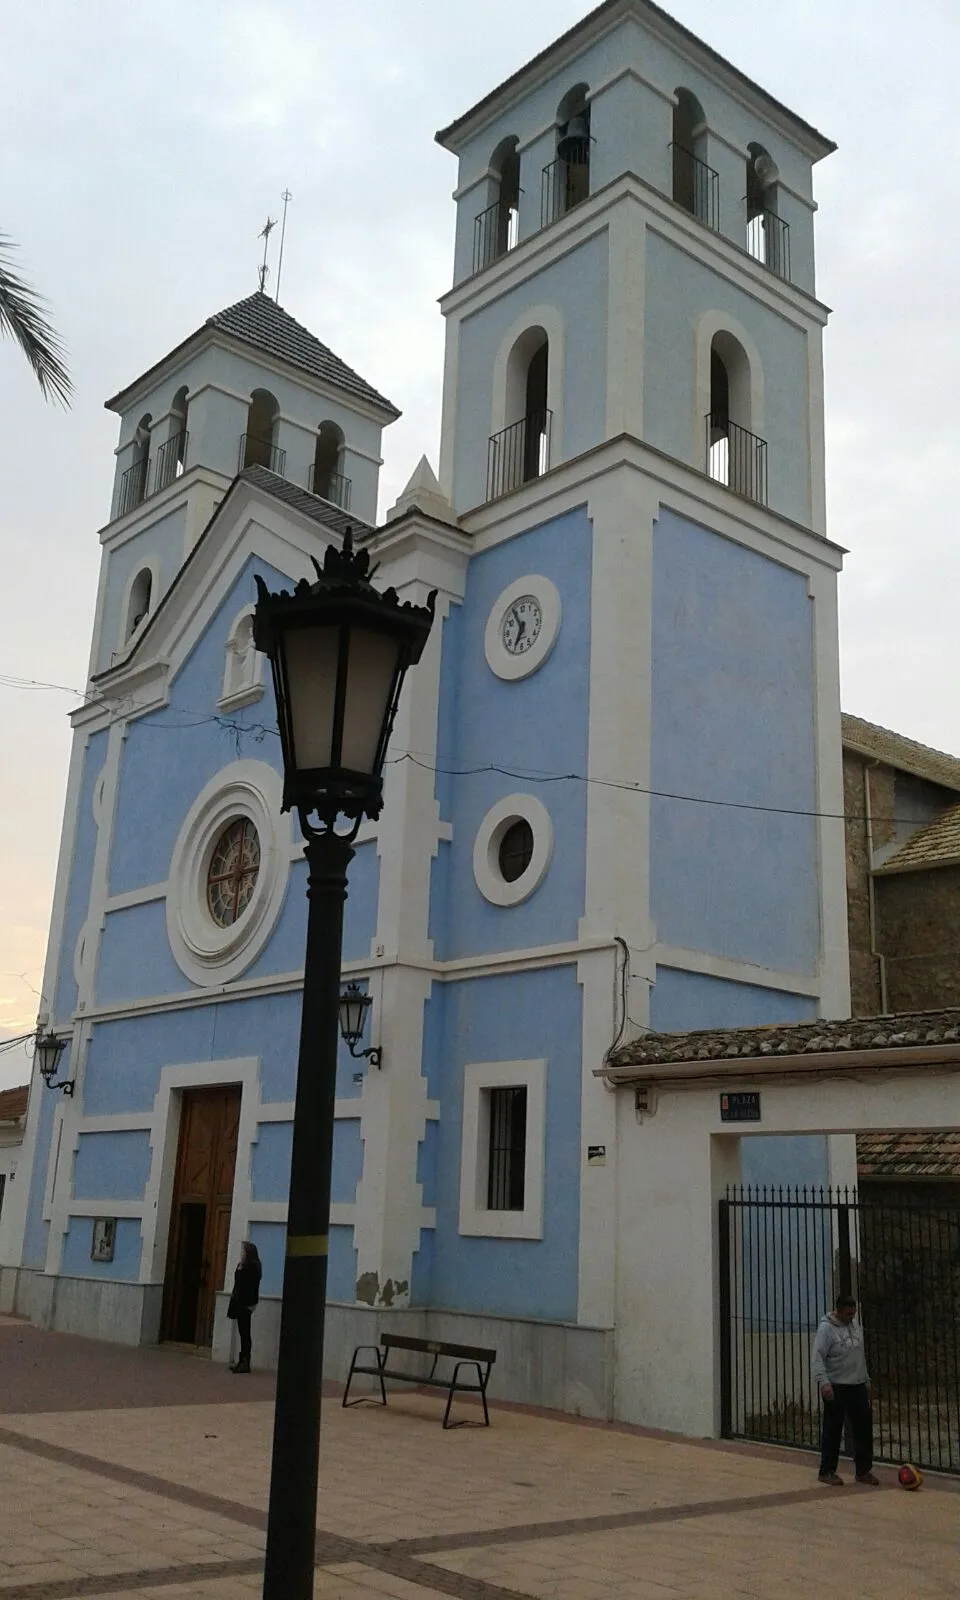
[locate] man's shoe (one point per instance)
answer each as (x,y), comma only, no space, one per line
(832,1479)
(241,1366)
(868,1477)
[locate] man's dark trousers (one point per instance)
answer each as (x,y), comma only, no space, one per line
(850,1401)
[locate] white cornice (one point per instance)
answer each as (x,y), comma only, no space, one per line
(121,529)
(540,249)
(687,490)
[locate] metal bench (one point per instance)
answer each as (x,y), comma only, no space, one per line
(462,1355)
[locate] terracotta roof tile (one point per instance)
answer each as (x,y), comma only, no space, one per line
(13,1103)
(905,1030)
(908,1155)
(936,845)
(896,751)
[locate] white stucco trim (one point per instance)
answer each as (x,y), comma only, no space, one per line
(551,321)
(164,1140)
(708,326)
(126,636)
(682,960)
(203,951)
(475,1218)
(486,868)
(242,677)
(499,660)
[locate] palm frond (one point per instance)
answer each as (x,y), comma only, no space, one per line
(23,316)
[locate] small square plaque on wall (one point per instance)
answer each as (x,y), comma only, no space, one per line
(741,1107)
(104,1239)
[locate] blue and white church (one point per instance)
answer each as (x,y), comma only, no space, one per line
(613,795)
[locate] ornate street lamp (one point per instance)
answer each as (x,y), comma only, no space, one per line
(354,1005)
(47,1051)
(339,650)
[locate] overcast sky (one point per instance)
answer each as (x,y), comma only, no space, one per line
(144,147)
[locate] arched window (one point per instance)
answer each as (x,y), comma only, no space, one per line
(133,484)
(172,456)
(695,185)
(258,447)
(566,181)
(326,476)
(243,667)
(138,605)
(768,236)
(522,450)
(735,455)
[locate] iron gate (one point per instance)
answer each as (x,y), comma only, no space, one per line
(785,1254)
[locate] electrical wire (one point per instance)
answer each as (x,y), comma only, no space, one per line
(259,731)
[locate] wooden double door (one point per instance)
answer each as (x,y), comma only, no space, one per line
(200,1213)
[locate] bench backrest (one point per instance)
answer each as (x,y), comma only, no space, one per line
(436,1347)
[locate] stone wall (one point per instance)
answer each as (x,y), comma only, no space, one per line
(865,988)
(918,928)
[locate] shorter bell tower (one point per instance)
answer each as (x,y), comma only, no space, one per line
(251,387)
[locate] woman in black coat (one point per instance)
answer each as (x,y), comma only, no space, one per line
(246,1293)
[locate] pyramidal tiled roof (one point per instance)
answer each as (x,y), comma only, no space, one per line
(909,1155)
(260,322)
(896,751)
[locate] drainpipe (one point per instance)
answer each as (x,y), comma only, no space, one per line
(871,889)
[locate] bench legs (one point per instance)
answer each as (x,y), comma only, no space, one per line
(378,1373)
(481,1388)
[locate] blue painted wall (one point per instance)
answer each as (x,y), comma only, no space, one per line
(484,721)
(682,1000)
(733,722)
(81,874)
(112,1166)
(78,1240)
(270,1240)
(510,1018)
(35,1235)
(575,286)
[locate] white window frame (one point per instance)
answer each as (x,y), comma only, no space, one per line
(476,1219)
(486,849)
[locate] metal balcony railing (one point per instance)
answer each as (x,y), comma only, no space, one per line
(736,457)
(696,186)
(768,240)
(171,460)
(518,454)
(256,452)
(133,486)
(332,486)
(495,232)
(565,183)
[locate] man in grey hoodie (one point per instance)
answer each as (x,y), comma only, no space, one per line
(840,1371)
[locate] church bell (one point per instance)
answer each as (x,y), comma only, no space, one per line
(573,142)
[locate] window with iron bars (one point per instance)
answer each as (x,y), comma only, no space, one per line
(507,1148)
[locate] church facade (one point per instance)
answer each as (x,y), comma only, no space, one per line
(614,794)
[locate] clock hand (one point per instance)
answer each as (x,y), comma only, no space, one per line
(521,625)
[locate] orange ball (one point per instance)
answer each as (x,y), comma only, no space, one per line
(909,1476)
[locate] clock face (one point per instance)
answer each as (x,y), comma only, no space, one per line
(521,624)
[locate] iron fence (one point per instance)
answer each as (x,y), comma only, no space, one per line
(736,457)
(171,460)
(133,486)
(257,452)
(565,182)
(768,240)
(332,486)
(519,453)
(494,233)
(696,186)
(784,1255)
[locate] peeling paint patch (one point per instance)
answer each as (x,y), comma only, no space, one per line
(368,1286)
(386,1293)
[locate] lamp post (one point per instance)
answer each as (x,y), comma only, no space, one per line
(339,650)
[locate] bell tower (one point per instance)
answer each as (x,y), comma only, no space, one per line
(250,388)
(634,255)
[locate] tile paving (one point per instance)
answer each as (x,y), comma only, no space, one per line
(143,1473)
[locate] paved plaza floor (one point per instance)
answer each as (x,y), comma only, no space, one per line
(144,1473)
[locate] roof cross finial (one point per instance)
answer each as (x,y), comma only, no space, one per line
(264,234)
